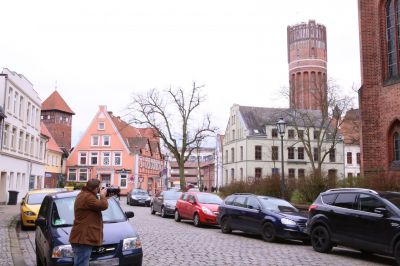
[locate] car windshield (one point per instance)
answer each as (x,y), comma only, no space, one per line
(172,195)
(209,198)
(277,205)
(63,212)
(36,198)
(140,192)
(393,197)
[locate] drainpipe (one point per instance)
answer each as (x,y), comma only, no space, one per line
(4,107)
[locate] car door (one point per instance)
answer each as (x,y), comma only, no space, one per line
(253,217)
(191,205)
(373,231)
(42,234)
(181,205)
(158,201)
(342,217)
(238,212)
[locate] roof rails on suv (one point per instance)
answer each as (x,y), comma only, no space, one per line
(352,189)
(243,194)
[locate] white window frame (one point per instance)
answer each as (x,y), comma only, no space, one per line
(121,177)
(109,158)
(70,171)
(120,158)
(83,171)
(92,140)
(6,136)
(99,125)
(21,141)
(80,157)
(91,156)
(103,140)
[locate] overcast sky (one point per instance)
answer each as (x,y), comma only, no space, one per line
(100,52)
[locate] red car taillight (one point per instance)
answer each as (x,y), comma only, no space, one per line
(312,207)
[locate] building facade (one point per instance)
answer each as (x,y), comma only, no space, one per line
(117,153)
(199,169)
(54,168)
(252,147)
(307,57)
(22,149)
(350,130)
(379,95)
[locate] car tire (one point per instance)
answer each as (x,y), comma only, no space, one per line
(196,220)
(163,214)
(397,252)
(321,239)
(225,227)
(38,262)
(268,232)
(152,211)
(177,217)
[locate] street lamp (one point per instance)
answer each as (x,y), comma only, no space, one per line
(166,172)
(281,126)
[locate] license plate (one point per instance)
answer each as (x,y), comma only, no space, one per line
(108,262)
(141,201)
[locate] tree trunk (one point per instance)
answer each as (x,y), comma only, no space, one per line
(182,175)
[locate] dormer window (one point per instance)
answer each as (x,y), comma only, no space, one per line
(101,126)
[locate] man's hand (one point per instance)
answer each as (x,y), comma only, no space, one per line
(103,193)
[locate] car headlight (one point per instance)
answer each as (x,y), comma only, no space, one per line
(148,198)
(286,221)
(133,197)
(29,213)
(206,211)
(64,251)
(131,243)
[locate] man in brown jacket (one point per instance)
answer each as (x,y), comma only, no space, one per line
(87,231)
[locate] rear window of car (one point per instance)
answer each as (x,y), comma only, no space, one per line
(329,198)
(346,200)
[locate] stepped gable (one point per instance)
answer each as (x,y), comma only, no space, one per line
(56,102)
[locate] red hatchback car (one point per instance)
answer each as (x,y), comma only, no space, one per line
(201,207)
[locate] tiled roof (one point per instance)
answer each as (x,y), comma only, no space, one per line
(56,102)
(256,118)
(136,143)
(351,126)
(51,144)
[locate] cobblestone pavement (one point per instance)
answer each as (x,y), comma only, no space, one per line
(166,242)
(5,248)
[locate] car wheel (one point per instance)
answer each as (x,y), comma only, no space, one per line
(177,217)
(225,227)
(152,211)
(320,239)
(38,262)
(268,232)
(163,214)
(196,220)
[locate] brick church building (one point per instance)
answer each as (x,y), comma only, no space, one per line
(379,95)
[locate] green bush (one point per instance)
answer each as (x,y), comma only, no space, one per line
(76,185)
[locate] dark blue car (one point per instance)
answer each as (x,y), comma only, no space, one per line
(269,217)
(121,243)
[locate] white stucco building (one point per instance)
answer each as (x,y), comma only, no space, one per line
(22,147)
(252,146)
(350,129)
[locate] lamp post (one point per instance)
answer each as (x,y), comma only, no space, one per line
(281,126)
(166,172)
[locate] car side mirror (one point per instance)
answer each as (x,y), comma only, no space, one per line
(129,214)
(41,221)
(382,211)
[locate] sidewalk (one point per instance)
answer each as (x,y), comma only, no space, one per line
(9,244)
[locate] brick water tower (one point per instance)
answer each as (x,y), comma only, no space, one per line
(307,57)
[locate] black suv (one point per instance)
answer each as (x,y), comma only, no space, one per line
(359,218)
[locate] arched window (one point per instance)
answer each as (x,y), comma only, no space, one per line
(396,146)
(392,36)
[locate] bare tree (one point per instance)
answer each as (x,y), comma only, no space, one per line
(319,129)
(172,114)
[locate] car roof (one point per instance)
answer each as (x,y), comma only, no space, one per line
(65,194)
(351,190)
(41,191)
